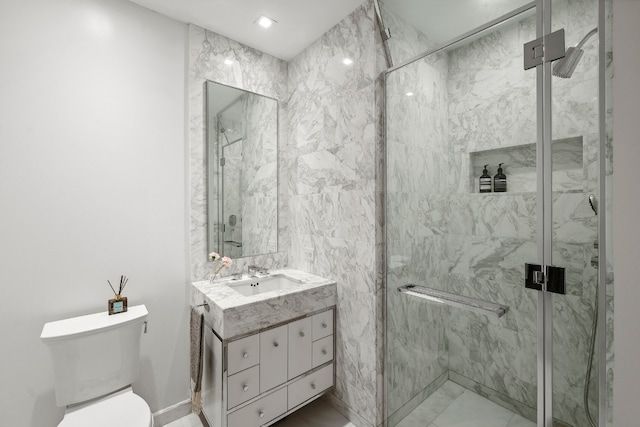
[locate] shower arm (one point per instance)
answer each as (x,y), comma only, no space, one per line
(584,40)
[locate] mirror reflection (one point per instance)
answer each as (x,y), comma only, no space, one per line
(242,171)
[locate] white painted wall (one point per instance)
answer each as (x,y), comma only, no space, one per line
(626,210)
(92,185)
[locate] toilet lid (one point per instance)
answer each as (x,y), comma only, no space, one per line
(122,409)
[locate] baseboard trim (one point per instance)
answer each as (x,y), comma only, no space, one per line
(172,413)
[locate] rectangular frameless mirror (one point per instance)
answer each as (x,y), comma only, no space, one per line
(242,171)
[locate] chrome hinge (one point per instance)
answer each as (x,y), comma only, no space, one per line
(544,49)
(222,161)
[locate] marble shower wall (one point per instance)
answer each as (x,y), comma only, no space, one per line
(443,234)
(486,79)
(418,157)
(334,136)
(253,71)
(492,107)
(422,208)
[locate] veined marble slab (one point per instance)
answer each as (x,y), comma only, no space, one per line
(232,314)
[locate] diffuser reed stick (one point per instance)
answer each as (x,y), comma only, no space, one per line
(123,283)
(114,291)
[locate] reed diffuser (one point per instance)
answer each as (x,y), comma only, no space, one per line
(119,303)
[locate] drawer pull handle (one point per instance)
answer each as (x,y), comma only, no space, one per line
(324,325)
(301,334)
(245,387)
(313,386)
(261,414)
(324,351)
(245,355)
(275,344)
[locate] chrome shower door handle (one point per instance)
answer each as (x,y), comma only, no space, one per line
(545,278)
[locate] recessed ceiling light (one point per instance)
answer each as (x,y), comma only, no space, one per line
(264,21)
(228,61)
(409,94)
(347,61)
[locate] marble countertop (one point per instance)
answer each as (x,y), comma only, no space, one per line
(232,314)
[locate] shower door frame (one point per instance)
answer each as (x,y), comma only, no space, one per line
(543,11)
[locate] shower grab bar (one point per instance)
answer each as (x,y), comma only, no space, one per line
(454,300)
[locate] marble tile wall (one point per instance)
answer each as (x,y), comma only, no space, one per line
(417,157)
(444,235)
(251,70)
(334,134)
(486,79)
(492,78)
(418,177)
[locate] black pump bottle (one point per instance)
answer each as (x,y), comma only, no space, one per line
(500,181)
(485,181)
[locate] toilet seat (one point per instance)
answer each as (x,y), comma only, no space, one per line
(123,408)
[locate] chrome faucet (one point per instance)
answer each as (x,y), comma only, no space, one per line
(253,270)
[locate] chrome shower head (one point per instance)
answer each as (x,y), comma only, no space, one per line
(566,66)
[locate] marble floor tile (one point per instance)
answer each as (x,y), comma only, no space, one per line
(449,406)
(316,414)
(454,406)
(190,420)
(432,406)
(518,421)
(472,410)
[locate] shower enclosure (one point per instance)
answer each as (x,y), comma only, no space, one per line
(474,337)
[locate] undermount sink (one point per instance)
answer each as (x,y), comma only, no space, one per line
(261,285)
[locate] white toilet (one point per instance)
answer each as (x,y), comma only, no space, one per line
(95,359)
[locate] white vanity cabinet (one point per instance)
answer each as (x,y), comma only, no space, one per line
(254,380)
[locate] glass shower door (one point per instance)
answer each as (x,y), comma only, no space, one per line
(577,213)
(462,334)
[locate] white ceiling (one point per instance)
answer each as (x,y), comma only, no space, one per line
(299,22)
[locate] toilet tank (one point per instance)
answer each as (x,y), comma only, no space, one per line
(96,354)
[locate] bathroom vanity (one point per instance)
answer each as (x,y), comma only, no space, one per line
(269,346)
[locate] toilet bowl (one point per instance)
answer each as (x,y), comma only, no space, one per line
(96,358)
(109,411)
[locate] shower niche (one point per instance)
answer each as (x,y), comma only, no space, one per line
(519,165)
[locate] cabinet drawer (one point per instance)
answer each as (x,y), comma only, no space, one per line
(322,351)
(243,386)
(299,347)
(273,357)
(260,411)
(307,387)
(243,353)
(322,324)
